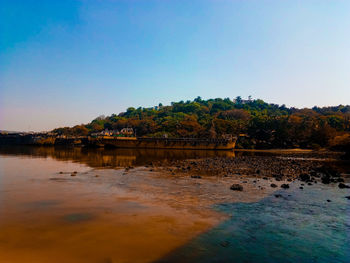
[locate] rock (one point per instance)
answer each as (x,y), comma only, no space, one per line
(289,180)
(304,177)
(278,177)
(309,183)
(347,197)
(96,175)
(342,186)
(225,243)
(301,187)
(236,187)
(340,180)
(73,174)
(313,173)
(278,195)
(317,175)
(327,171)
(326,179)
(61,172)
(285,186)
(196,176)
(273,185)
(265,178)
(328,200)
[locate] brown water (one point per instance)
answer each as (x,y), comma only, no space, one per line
(98,215)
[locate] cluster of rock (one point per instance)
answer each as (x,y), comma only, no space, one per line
(260,166)
(308,171)
(325,174)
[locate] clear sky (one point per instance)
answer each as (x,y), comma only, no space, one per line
(64,63)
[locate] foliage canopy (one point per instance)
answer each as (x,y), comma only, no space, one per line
(264,125)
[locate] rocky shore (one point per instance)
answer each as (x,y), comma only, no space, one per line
(308,168)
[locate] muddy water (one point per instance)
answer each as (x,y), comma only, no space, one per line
(99,215)
(50,217)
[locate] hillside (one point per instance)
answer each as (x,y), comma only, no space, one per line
(264,125)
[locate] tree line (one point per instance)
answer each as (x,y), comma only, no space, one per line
(260,124)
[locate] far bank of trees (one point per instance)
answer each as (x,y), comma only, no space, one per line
(264,125)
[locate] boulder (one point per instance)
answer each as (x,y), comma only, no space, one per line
(236,187)
(304,177)
(342,186)
(326,179)
(285,186)
(273,185)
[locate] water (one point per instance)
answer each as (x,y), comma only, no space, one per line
(108,215)
(101,214)
(300,226)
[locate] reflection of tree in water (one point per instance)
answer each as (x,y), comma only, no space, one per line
(111,157)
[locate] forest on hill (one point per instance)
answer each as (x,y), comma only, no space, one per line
(261,124)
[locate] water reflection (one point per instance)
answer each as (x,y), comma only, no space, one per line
(110,158)
(49,216)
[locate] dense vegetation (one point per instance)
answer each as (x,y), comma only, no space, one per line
(263,125)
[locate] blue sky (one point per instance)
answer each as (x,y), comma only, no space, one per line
(66,62)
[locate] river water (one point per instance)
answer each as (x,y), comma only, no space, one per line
(300,226)
(102,213)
